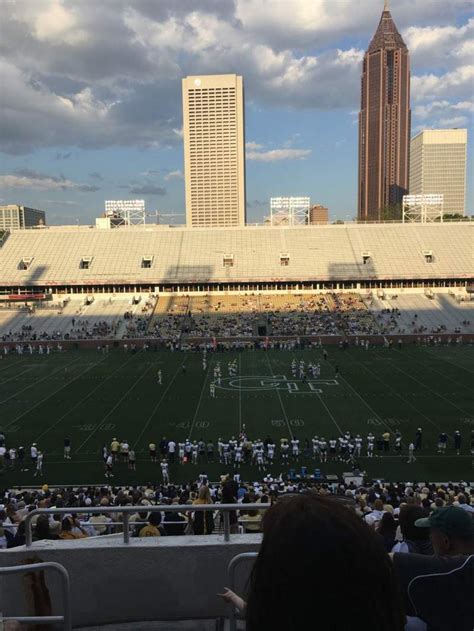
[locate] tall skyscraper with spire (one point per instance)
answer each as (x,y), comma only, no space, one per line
(384,122)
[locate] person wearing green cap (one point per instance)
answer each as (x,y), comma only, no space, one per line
(451,530)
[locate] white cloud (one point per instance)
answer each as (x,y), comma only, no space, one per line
(253,146)
(174,175)
(455,121)
(33,180)
(275,155)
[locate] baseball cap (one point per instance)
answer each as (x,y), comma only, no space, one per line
(451,520)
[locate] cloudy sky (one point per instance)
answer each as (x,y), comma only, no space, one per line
(90,94)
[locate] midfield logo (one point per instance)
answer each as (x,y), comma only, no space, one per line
(257,383)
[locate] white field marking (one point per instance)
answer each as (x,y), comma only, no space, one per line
(428,366)
(16,376)
(327,361)
(35,383)
(113,408)
(430,389)
(200,399)
(447,360)
(79,403)
(240,397)
(279,397)
(404,399)
(8,366)
(153,412)
(51,394)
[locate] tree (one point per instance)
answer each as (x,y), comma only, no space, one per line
(393,212)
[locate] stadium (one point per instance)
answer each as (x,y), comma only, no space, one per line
(222,425)
(339,341)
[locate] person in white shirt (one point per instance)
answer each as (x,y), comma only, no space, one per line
(165,472)
(171,450)
(34,454)
(411,453)
(181,453)
(295,447)
(39,465)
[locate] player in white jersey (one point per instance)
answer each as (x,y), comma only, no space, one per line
(398,441)
(370,445)
(226,453)
(181,453)
(187,449)
(238,455)
(220,449)
(323,450)
(315,442)
(333,448)
(212,389)
(165,472)
(411,453)
(295,447)
(160,377)
(39,465)
(260,462)
(270,452)
(194,451)
(284,448)
(358,446)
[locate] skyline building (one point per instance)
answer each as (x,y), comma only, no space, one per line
(438,166)
(384,122)
(15,216)
(214,150)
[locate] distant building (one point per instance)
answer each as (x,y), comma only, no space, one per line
(289,211)
(438,166)
(384,122)
(318,214)
(14,217)
(214,150)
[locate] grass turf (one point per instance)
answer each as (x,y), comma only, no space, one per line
(90,398)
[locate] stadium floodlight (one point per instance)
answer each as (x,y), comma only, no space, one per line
(289,211)
(125,212)
(423,208)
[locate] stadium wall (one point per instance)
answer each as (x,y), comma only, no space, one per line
(166,578)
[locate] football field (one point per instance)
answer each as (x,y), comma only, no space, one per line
(92,397)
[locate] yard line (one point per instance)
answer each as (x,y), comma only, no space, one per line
(52,394)
(79,403)
(448,362)
(7,367)
(431,390)
(422,363)
(153,412)
(240,398)
(369,407)
(387,385)
(279,396)
(35,383)
(124,396)
(200,399)
(17,375)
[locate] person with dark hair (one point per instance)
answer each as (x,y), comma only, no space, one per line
(42,529)
(387,529)
(229,492)
(152,528)
(415,539)
(319,561)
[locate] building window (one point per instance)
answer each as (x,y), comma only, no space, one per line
(284,260)
(147,261)
(429,257)
(228,260)
(366,257)
(25,262)
(86,262)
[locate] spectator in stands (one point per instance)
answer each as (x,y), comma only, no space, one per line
(203,522)
(174,529)
(318,561)
(71,529)
(229,492)
(451,530)
(152,528)
(414,539)
(42,529)
(387,530)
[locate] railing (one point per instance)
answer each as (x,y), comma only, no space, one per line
(126,511)
(65,619)
(237,560)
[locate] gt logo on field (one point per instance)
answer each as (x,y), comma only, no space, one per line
(274,382)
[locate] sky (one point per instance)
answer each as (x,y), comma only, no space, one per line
(90,95)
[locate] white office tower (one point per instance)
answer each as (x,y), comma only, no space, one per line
(438,167)
(214,150)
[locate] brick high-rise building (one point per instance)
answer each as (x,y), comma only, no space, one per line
(384,122)
(214,150)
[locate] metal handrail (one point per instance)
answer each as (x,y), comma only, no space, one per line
(234,562)
(65,619)
(128,510)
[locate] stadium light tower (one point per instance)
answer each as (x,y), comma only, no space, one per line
(289,211)
(125,212)
(422,208)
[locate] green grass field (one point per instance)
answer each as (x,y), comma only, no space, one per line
(91,397)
